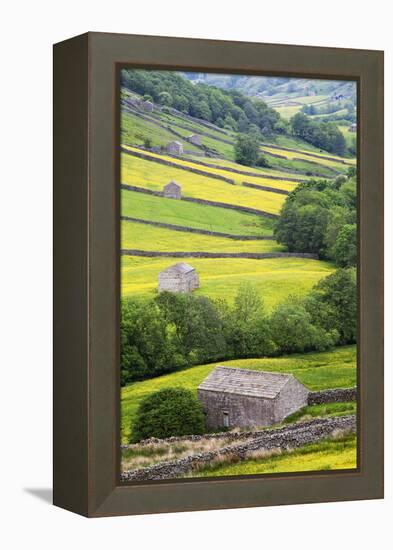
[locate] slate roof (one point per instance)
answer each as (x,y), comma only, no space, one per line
(172,184)
(180,267)
(245,382)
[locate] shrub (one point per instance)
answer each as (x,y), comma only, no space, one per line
(263,162)
(293,330)
(168,412)
(246,149)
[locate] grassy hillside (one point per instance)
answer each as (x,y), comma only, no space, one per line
(148,237)
(144,173)
(284,184)
(317,371)
(211,218)
(220,278)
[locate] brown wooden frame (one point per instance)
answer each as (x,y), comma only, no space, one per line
(86,274)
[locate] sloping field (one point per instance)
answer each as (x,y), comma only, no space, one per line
(135,129)
(317,371)
(210,218)
(304,156)
(286,185)
(143,173)
(146,237)
(264,172)
(275,278)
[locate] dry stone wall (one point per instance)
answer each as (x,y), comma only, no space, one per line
(250,255)
(332,396)
(199,231)
(293,436)
(203,201)
(166,162)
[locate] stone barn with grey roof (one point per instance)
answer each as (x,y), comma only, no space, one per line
(180,277)
(172,190)
(175,148)
(195,139)
(233,397)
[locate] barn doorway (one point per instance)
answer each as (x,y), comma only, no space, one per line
(225,419)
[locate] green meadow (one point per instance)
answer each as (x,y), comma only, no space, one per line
(147,237)
(144,173)
(275,278)
(317,371)
(197,216)
(282,184)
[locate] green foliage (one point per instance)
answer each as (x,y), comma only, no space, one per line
(168,412)
(315,214)
(345,249)
(195,326)
(146,346)
(165,99)
(147,142)
(293,330)
(247,149)
(263,162)
(337,293)
(228,109)
(325,135)
(246,325)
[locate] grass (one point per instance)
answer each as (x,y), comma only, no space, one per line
(198,216)
(141,456)
(144,173)
(237,178)
(304,165)
(322,162)
(317,371)
(293,143)
(275,278)
(330,454)
(255,169)
(328,409)
(288,111)
(134,129)
(146,237)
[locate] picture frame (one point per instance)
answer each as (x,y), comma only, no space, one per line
(86,474)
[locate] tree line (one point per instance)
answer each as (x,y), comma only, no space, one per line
(319,217)
(175,331)
(227,109)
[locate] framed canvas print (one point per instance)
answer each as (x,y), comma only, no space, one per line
(218,261)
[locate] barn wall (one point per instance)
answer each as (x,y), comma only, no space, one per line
(244,411)
(178,282)
(292,397)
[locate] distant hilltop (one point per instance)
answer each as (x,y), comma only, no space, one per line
(267,86)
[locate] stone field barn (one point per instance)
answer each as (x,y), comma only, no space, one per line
(180,277)
(233,397)
(172,190)
(175,148)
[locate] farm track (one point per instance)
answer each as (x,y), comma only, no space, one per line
(247,209)
(183,228)
(249,255)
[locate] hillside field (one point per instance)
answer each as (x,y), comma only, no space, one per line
(317,371)
(275,279)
